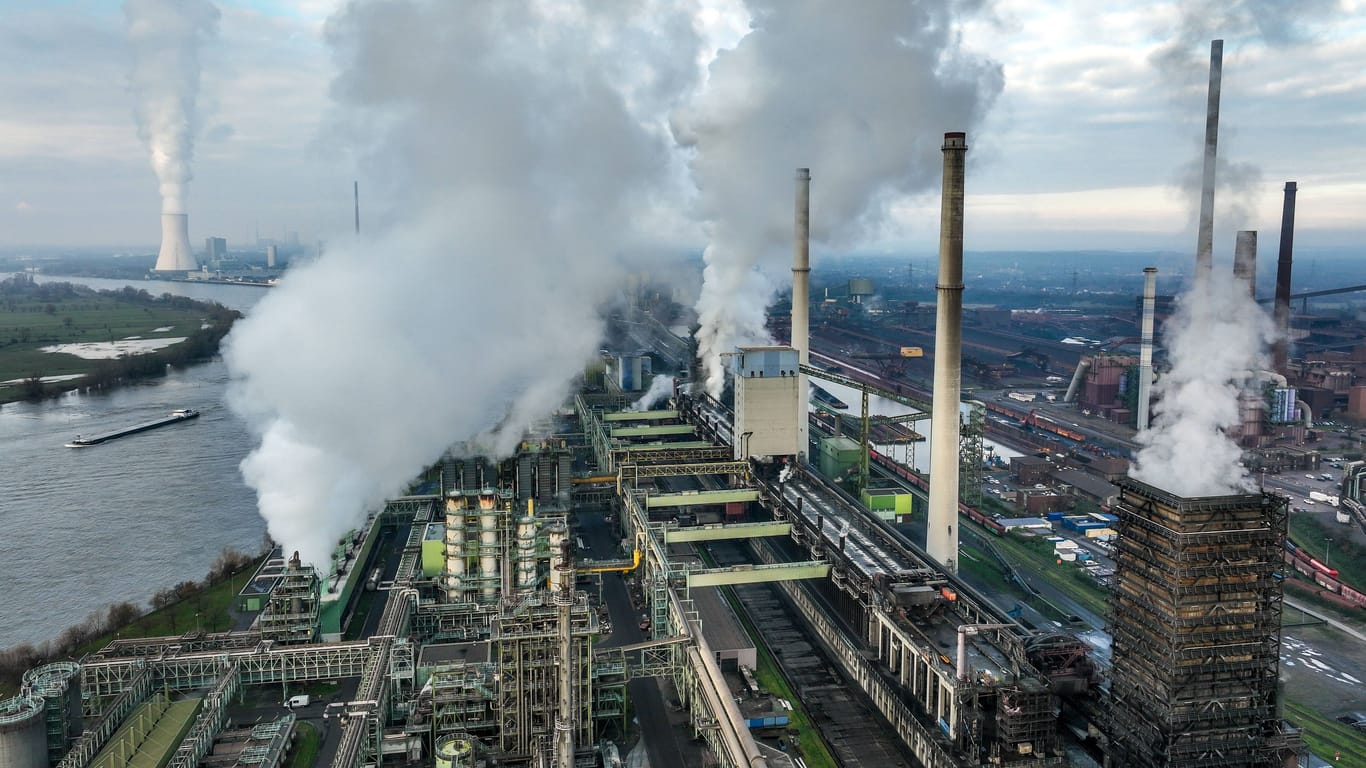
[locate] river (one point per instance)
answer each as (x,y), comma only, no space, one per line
(86,528)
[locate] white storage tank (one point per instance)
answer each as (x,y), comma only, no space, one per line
(23,733)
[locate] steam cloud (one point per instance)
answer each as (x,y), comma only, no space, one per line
(516,149)
(1216,341)
(165,37)
(862,98)
(660,387)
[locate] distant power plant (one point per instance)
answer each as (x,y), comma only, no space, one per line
(175,255)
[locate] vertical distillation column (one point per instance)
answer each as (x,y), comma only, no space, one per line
(941,538)
(526,549)
(488,546)
(1204,243)
(801,301)
(1145,353)
(559,536)
(564,720)
(455,549)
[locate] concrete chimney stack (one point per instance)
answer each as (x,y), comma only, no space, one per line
(1204,245)
(801,299)
(1245,261)
(1283,268)
(941,538)
(1145,354)
(175,255)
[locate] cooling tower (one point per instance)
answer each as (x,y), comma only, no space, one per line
(941,538)
(175,255)
(1204,244)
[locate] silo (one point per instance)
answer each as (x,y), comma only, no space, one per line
(59,684)
(455,751)
(23,733)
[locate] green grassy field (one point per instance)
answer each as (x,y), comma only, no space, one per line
(1327,737)
(27,324)
(307,740)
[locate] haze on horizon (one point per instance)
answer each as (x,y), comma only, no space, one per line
(1090,144)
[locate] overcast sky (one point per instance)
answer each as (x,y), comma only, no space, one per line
(1092,145)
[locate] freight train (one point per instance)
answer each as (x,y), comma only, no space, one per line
(1328,579)
(1035,420)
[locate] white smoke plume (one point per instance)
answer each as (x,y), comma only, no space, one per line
(861,95)
(165,36)
(515,147)
(660,388)
(1216,341)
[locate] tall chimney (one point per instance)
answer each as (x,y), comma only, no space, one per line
(1245,261)
(1204,245)
(355,195)
(175,255)
(1145,354)
(941,538)
(801,299)
(1283,265)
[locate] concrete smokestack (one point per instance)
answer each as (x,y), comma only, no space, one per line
(1245,261)
(1283,266)
(801,297)
(1204,245)
(175,255)
(1145,354)
(355,196)
(941,538)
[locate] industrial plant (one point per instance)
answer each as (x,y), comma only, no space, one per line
(621,575)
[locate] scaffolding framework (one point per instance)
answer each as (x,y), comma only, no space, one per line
(526,647)
(1196,610)
(292,612)
(970,455)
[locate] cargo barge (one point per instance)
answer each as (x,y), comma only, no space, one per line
(184,414)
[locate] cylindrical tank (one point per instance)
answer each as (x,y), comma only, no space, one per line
(59,684)
(558,535)
(455,557)
(526,554)
(488,552)
(455,751)
(23,733)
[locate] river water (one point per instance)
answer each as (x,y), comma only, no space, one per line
(83,528)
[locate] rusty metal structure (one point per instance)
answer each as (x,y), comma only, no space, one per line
(1196,610)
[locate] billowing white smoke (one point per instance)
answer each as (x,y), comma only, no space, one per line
(1216,341)
(515,167)
(660,388)
(861,95)
(165,36)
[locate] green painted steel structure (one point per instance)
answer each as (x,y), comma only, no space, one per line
(640,415)
(758,574)
(721,532)
(691,498)
(660,430)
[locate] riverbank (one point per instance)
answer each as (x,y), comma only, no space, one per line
(57,337)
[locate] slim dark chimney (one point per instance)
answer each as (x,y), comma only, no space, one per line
(1280,352)
(355,191)
(1204,243)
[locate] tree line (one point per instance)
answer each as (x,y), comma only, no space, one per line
(17,659)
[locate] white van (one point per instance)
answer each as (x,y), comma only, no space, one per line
(301,700)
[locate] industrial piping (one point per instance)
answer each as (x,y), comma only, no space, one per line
(1204,245)
(801,300)
(1145,354)
(1280,352)
(941,538)
(1245,261)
